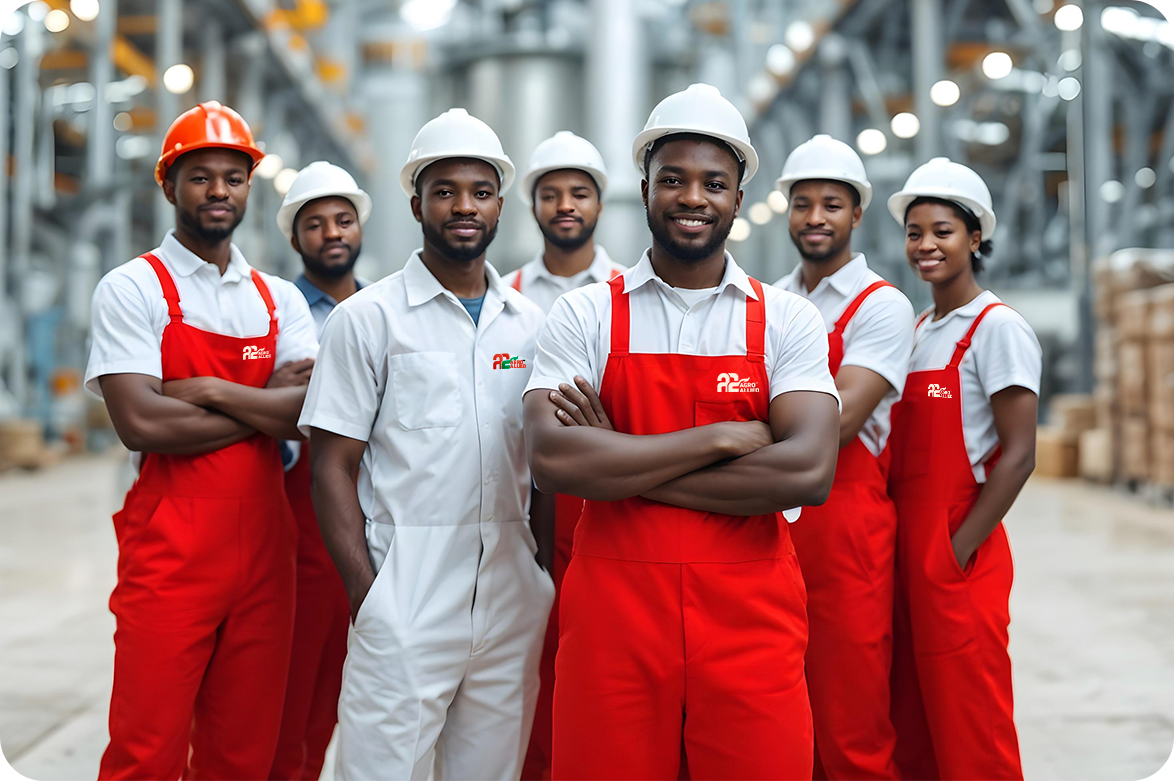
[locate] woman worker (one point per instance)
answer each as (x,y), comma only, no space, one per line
(963,445)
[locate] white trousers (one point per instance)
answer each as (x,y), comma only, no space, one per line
(441,675)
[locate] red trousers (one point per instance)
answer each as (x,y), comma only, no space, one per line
(655,656)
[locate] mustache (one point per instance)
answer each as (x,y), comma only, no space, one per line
(218,205)
(465,221)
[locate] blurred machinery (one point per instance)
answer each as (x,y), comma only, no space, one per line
(1064,108)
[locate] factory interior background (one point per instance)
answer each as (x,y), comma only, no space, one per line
(1065,107)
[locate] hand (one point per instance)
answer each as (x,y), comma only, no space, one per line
(359,595)
(579,405)
(200,391)
(291,374)
(961,552)
(746,436)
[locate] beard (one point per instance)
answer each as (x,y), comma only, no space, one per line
(337,271)
(460,254)
(819,256)
(685,252)
(569,242)
(191,222)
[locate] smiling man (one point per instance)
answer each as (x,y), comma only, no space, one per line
(682,619)
(846,546)
(420,384)
(186,339)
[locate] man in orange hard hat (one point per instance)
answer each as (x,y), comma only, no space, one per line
(203,363)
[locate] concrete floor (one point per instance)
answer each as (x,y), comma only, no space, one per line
(1092,633)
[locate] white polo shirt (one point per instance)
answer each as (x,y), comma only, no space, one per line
(1004,352)
(544,288)
(878,337)
(437,399)
(128,312)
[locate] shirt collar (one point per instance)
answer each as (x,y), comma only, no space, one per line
(970,310)
(422,286)
(643,272)
(313,294)
(598,271)
(184,262)
(844,281)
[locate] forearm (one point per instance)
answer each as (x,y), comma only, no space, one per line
(343,525)
(272,411)
(606,465)
(999,492)
(772,479)
(542,507)
(149,422)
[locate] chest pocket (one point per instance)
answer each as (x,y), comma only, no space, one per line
(427,390)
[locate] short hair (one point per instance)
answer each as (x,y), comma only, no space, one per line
(658,143)
(985,247)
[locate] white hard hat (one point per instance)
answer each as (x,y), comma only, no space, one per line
(320,179)
(950,181)
(455,134)
(700,109)
(823,157)
(563,150)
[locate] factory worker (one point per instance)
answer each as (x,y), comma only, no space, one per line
(563,188)
(322,217)
(963,445)
(420,383)
(203,363)
(682,625)
(846,546)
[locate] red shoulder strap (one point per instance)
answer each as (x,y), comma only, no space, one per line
(921,319)
(170,294)
(621,318)
(517,283)
(857,302)
(266,296)
(964,344)
(756,323)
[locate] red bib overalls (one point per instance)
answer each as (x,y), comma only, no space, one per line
(567,509)
(955,619)
(205,596)
(680,628)
(845,549)
(319,642)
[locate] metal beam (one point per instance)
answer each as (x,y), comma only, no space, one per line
(929,47)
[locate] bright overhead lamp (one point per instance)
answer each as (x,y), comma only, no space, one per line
(777,201)
(945,93)
(123,122)
(800,35)
(760,213)
(1145,178)
(740,230)
(1068,18)
(178,79)
(56,21)
(905,125)
(423,15)
(85,10)
(871,141)
(38,10)
(780,60)
(270,166)
(284,180)
(997,65)
(1070,60)
(1068,88)
(1112,191)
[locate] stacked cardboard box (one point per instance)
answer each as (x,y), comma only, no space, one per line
(1057,445)
(1160,384)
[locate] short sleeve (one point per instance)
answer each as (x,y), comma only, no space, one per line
(882,337)
(800,361)
(297,334)
(564,348)
(125,337)
(1006,353)
(345,391)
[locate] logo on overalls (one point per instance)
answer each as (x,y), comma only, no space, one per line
(728,382)
(254,352)
(938,392)
(504,361)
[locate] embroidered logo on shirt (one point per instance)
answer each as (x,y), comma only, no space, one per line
(730,383)
(255,352)
(938,392)
(504,361)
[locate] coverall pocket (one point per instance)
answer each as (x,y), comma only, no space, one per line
(707,412)
(426,390)
(134,516)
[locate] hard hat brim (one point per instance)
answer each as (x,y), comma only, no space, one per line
(407,176)
(526,186)
(647,137)
(899,203)
(864,189)
(168,159)
(289,211)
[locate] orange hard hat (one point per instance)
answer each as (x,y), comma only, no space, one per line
(207,125)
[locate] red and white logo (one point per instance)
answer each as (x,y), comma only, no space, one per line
(255,352)
(504,361)
(936,391)
(728,382)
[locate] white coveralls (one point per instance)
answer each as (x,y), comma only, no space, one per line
(441,673)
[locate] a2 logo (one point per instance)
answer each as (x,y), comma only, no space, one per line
(504,361)
(254,352)
(728,382)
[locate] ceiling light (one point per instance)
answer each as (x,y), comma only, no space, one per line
(123,121)
(905,125)
(38,11)
(945,93)
(760,213)
(780,60)
(777,201)
(284,180)
(85,10)
(740,230)
(800,35)
(56,21)
(427,14)
(1068,88)
(178,79)
(270,166)
(871,141)
(997,65)
(1112,191)
(1068,18)
(1070,60)
(1145,178)
(8,58)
